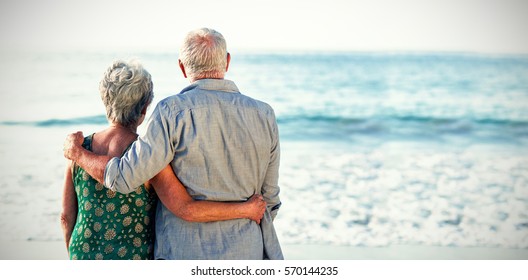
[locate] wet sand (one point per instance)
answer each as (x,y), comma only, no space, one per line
(55,250)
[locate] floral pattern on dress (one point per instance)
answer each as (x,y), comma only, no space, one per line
(111,225)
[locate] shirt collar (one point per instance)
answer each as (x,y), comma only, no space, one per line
(213,84)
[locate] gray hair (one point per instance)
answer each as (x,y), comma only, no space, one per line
(126,88)
(204,54)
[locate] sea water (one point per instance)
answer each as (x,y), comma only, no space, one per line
(377,148)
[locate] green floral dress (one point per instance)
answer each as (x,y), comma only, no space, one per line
(111,225)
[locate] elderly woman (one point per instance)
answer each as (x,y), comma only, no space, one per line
(101,224)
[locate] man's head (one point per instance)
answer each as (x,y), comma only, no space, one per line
(203,55)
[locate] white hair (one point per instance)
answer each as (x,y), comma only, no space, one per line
(126,88)
(204,54)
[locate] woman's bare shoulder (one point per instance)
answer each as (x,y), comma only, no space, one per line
(112,142)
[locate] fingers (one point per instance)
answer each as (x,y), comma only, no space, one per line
(257,196)
(78,136)
(259,205)
(72,141)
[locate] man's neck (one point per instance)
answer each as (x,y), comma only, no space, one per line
(193,79)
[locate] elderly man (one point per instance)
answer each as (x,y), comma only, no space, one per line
(223,146)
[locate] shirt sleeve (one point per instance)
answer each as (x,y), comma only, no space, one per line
(270,187)
(147,156)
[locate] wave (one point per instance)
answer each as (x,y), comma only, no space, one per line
(88,120)
(431,120)
(402,126)
(340,127)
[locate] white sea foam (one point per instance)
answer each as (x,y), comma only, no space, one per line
(411,197)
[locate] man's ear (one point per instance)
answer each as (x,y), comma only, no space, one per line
(182,68)
(228,60)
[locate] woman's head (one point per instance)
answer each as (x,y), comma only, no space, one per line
(126,90)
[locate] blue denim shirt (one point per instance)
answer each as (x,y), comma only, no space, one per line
(223,146)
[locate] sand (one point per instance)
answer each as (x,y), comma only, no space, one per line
(55,250)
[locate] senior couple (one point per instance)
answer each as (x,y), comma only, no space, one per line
(209,154)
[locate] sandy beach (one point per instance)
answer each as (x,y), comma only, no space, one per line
(54,250)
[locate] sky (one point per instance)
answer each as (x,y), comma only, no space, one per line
(485,26)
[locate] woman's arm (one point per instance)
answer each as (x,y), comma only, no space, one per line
(174,196)
(69,205)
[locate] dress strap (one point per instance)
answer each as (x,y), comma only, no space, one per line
(128,148)
(87,144)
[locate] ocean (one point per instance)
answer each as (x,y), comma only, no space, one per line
(378,149)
